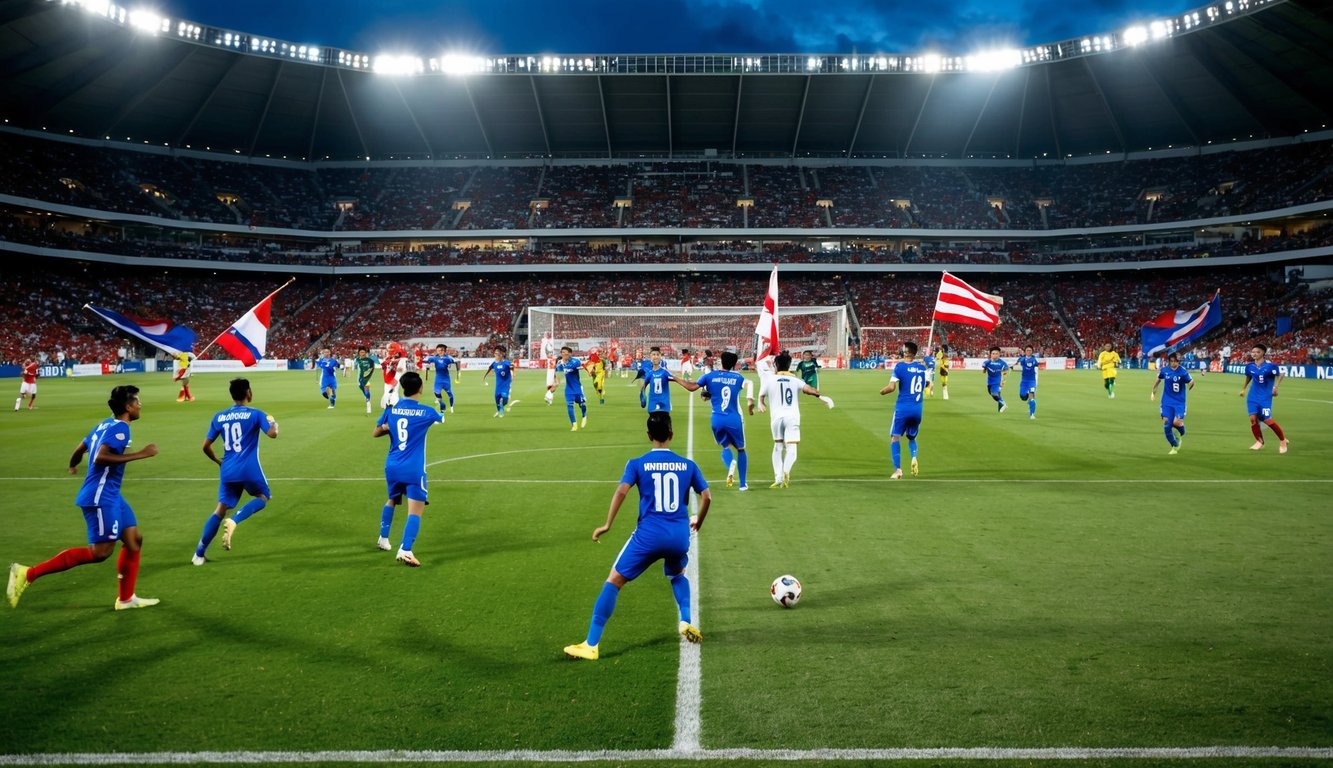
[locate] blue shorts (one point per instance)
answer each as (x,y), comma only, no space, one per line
(727,431)
(647,547)
(107,522)
(327,383)
(659,405)
(993,391)
(1173,411)
(443,385)
(499,393)
(1025,391)
(574,396)
(1263,410)
(229,491)
(413,487)
(906,423)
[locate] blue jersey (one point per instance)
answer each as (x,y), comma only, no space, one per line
(571,368)
(101,486)
(327,367)
(1176,384)
(724,392)
(664,480)
(408,422)
(504,375)
(658,389)
(994,370)
(1028,367)
(929,362)
(240,427)
(1262,379)
(441,363)
(911,378)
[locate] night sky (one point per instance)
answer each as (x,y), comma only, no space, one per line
(672,26)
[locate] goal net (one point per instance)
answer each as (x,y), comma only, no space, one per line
(884,341)
(822,330)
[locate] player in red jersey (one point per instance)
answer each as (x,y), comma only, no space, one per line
(389,366)
(420,355)
(29,386)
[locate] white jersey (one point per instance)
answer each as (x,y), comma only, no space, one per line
(782,393)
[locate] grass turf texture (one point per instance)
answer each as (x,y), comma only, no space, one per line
(1116,596)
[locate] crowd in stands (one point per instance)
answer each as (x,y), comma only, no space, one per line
(666,194)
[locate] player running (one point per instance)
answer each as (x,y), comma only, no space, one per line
(571,367)
(442,360)
(1107,361)
(504,380)
(997,371)
(943,355)
(405,466)
(105,512)
(1265,376)
(328,376)
(808,369)
(28,388)
(365,368)
(240,427)
(597,371)
(1178,382)
(909,381)
(184,360)
(664,479)
(779,396)
(723,390)
(1028,364)
(654,390)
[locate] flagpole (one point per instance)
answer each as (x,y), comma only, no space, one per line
(930,338)
(214,342)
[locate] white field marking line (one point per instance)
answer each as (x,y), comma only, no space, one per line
(631,755)
(886,481)
(524,450)
(689,675)
(1308,400)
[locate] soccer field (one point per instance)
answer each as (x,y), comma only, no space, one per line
(1048,583)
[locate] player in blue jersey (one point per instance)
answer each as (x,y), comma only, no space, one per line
(504,380)
(572,367)
(1178,382)
(328,376)
(406,422)
(240,427)
(1265,376)
(664,479)
(1028,365)
(442,360)
(997,371)
(655,390)
(108,517)
(723,389)
(909,381)
(928,360)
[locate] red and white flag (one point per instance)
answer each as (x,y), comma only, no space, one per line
(766,330)
(247,338)
(958,302)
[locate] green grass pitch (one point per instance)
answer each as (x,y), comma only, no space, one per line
(1044,583)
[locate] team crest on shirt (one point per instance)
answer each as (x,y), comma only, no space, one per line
(120,435)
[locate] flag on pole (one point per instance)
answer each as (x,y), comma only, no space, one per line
(247,338)
(766,330)
(163,334)
(958,302)
(1174,328)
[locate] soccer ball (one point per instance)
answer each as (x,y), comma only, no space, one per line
(786,591)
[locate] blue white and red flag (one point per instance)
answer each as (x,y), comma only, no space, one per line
(163,334)
(1175,328)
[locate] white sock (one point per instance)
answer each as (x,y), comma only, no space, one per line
(790,459)
(777,462)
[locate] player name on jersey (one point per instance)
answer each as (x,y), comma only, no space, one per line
(665,466)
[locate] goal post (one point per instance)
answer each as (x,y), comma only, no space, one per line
(819,329)
(883,341)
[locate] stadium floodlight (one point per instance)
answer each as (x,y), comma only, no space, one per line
(930,62)
(1135,36)
(148,21)
(398,65)
(460,64)
(993,61)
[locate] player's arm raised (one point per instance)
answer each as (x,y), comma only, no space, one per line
(617,499)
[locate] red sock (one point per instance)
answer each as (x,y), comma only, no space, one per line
(127,571)
(1276,429)
(1258,433)
(70,558)
(187,390)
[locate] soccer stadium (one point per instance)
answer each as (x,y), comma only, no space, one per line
(852,273)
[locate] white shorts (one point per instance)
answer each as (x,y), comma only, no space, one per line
(390,396)
(687,368)
(550,374)
(27,389)
(787,429)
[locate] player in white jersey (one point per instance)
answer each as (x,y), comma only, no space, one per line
(548,360)
(779,395)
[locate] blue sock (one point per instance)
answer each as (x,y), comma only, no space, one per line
(451,399)
(1181,430)
(410,531)
(742,464)
(499,404)
(911,445)
(386,520)
(601,611)
(680,587)
(1000,400)
(1170,438)
(569,408)
(324,395)
(366,391)
(726,459)
(439,400)
(583,408)
(211,526)
(896,451)
(333,399)
(249,509)
(1032,406)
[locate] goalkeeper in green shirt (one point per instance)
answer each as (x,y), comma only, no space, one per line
(365,366)
(808,369)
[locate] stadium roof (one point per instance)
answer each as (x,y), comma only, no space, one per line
(1263,72)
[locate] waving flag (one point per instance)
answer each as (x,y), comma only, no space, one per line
(247,338)
(163,334)
(959,302)
(766,330)
(1172,329)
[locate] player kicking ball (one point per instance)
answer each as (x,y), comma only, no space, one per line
(664,479)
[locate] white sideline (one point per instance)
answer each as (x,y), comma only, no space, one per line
(690,673)
(636,755)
